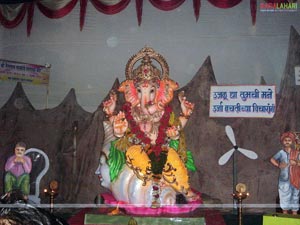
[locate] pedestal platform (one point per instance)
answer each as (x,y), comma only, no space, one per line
(124,220)
(100,216)
(183,215)
(148,211)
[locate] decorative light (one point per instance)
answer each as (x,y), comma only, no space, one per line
(240,194)
(52,193)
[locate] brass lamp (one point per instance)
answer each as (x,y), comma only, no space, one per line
(52,192)
(240,194)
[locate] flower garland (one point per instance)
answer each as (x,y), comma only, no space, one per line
(161,137)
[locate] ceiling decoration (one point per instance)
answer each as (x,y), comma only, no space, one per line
(12,12)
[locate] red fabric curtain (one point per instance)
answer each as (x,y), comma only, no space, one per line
(12,17)
(166,5)
(15,21)
(197,5)
(139,10)
(83,4)
(224,4)
(57,13)
(110,9)
(30,17)
(253,6)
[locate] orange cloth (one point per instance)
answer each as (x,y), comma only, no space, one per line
(295,170)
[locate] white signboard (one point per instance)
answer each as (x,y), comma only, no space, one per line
(254,101)
(297,75)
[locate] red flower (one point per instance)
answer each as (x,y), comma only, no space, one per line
(135,129)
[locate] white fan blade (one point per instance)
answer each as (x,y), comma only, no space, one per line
(248,153)
(224,158)
(230,134)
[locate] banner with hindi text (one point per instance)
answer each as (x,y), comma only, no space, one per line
(24,72)
(254,101)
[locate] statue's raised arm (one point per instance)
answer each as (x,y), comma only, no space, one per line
(109,106)
(186,108)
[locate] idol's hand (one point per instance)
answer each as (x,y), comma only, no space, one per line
(120,124)
(173,132)
(109,106)
(152,135)
(186,106)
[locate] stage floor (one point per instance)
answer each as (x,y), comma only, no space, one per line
(212,217)
(198,217)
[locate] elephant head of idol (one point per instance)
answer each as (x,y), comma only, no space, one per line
(147,88)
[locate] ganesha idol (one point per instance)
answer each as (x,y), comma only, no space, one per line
(144,161)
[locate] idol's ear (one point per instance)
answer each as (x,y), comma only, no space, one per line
(124,85)
(165,91)
(130,92)
(172,84)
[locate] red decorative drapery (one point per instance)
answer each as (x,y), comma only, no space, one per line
(224,4)
(253,7)
(197,5)
(83,4)
(109,9)
(139,10)
(30,17)
(55,11)
(12,15)
(166,5)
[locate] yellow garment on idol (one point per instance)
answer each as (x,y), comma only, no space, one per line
(140,160)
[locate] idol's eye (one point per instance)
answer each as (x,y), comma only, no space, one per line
(152,90)
(139,90)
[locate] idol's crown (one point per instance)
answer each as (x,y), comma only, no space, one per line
(146,70)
